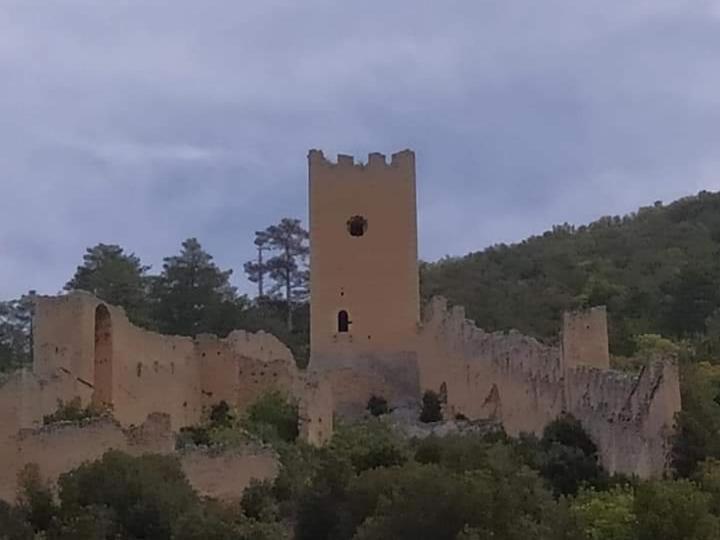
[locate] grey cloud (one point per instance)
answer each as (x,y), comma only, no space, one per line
(143,123)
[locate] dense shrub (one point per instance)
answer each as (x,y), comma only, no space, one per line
(377,405)
(273,417)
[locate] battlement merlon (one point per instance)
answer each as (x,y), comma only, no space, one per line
(403,161)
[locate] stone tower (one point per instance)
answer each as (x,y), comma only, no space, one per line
(363,267)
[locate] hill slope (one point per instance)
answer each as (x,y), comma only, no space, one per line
(657,270)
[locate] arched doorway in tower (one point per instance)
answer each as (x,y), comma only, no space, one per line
(102,383)
(343,321)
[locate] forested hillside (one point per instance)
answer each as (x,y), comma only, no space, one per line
(657,270)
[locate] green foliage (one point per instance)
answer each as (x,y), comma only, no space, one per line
(431,407)
(669,510)
(430,502)
(287,268)
(146,495)
(193,296)
(273,417)
(657,270)
(73,411)
(15,332)
(377,405)
(607,515)
(14,524)
(35,498)
(699,421)
(369,445)
(565,456)
(117,277)
(258,501)
(708,478)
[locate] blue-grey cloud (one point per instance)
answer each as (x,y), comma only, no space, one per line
(143,123)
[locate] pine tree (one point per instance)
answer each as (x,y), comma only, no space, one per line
(192,295)
(114,276)
(288,267)
(16,332)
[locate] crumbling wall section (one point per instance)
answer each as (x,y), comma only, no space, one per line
(225,475)
(61,447)
(243,366)
(630,417)
(316,408)
(63,335)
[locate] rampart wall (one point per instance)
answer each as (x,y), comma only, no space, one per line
(508,377)
(88,349)
(525,384)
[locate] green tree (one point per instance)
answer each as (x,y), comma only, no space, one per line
(257,269)
(146,495)
(287,268)
(698,433)
(565,456)
(13,525)
(672,510)
(35,498)
(116,277)
(16,332)
(274,417)
(607,515)
(193,296)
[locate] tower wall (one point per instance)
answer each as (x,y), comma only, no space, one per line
(372,276)
(585,338)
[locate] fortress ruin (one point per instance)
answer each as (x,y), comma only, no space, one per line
(367,338)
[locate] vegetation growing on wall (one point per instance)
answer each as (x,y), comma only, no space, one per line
(73,411)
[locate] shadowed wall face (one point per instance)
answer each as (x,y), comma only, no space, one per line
(103,365)
(364,270)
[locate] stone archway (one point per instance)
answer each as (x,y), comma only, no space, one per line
(103,365)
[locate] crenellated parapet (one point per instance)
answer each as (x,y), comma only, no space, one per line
(506,351)
(403,160)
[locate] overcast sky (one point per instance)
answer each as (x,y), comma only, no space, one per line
(145,122)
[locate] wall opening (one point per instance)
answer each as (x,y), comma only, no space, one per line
(357,225)
(343,321)
(102,384)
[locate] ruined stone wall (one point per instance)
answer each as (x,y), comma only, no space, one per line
(524,384)
(147,372)
(243,366)
(316,408)
(585,338)
(225,475)
(153,373)
(507,377)
(63,335)
(630,417)
(61,447)
(373,277)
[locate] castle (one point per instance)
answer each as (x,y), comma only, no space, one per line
(367,339)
